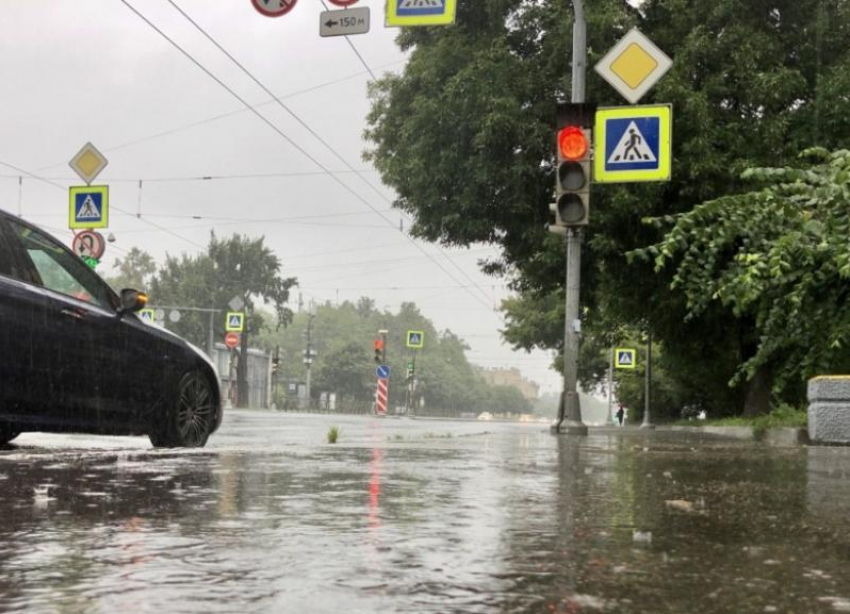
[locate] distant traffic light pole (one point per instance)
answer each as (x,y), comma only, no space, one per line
(569,414)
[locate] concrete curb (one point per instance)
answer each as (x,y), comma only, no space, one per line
(780,437)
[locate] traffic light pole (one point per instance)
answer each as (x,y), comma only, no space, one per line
(569,414)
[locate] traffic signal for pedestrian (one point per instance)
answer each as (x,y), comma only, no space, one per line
(572,185)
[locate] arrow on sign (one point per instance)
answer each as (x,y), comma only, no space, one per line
(331,24)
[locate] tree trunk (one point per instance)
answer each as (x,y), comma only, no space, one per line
(757,402)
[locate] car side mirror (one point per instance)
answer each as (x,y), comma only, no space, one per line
(132,301)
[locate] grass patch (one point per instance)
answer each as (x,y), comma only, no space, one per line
(782,416)
(436,436)
(333,434)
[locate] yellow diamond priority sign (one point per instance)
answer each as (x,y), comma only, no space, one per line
(88,163)
(634,65)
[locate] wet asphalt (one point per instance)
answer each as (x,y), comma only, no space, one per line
(414,516)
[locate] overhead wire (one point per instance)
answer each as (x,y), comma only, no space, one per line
(375,188)
(298,119)
(61,187)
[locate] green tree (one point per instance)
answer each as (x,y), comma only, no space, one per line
(237,267)
(465,136)
(777,256)
(135,270)
(346,371)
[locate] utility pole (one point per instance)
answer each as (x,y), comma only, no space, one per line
(647,421)
(611,387)
(308,353)
(569,414)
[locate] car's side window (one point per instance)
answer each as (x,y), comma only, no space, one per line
(8,266)
(60,270)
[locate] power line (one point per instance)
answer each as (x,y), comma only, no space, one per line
(231,113)
(63,188)
(280,103)
(207,177)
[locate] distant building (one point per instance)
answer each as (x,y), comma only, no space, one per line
(511,377)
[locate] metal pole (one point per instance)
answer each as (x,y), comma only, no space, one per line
(210,340)
(309,358)
(611,386)
(647,422)
(569,420)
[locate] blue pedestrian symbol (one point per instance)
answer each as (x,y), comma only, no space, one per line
(88,207)
(413,8)
(633,143)
(383,372)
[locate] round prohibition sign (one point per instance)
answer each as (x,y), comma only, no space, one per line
(89,244)
(274,8)
(343,3)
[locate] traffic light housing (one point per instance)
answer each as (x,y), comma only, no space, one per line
(573,169)
(379,350)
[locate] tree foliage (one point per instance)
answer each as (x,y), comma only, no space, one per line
(342,338)
(466,137)
(237,267)
(778,256)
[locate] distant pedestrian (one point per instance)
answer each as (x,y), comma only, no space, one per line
(620,414)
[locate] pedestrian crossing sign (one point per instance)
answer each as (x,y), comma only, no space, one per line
(415,339)
(88,207)
(148,316)
(234,322)
(633,144)
(625,358)
(421,12)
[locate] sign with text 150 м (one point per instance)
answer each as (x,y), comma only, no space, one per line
(345,22)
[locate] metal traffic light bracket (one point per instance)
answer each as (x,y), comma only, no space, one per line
(576,113)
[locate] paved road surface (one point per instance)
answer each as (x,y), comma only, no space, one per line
(421,516)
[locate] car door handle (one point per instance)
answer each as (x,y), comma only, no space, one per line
(73,313)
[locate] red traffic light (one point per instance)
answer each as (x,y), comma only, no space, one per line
(572,143)
(379,344)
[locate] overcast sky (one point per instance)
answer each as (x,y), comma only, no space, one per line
(93,70)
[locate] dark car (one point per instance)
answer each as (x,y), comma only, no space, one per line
(75,357)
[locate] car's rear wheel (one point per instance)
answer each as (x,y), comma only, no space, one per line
(189,420)
(7,433)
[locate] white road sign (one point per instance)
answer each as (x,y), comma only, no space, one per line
(345,22)
(634,65)
(88,163)
(89,244)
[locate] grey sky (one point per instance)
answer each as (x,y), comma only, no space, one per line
(92,70)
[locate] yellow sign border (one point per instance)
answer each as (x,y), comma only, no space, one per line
(228,328)
(104,217)
(618,364)
(393,19)
(421,334)
(664,113)
(150,311)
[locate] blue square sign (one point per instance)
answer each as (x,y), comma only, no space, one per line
(632,143)
(88,207)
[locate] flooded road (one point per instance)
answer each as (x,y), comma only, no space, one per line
(421,516)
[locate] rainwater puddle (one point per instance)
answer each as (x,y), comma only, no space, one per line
(502,518)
